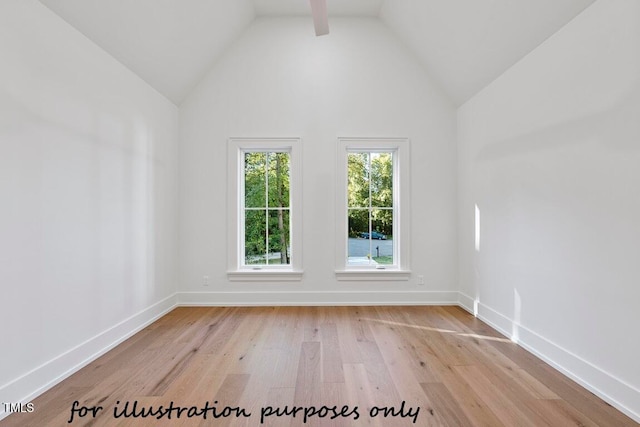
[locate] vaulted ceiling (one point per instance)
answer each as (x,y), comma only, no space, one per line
(463,44)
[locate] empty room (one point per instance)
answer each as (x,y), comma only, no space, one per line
(320,212)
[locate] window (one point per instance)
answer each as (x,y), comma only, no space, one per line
(373,214)
(264,215)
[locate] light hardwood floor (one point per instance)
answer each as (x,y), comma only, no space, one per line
(447,366)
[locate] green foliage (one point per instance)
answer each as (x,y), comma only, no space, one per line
(370,192)
(267,192)
(385,260)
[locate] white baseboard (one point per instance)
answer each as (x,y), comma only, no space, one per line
(284,298)
(466,302)
(612,390)
(616,392)
(37,381)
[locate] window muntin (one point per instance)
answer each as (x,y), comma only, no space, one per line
(266,227)
(376,210)
(370,211)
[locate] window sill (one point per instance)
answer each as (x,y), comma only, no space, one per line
(265,276)
(372,275)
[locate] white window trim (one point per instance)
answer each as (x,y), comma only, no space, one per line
(402,225)
(235,164)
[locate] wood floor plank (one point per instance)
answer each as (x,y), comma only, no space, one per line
(437,352)
(259,363)
(333,394)
(359,391)
(495,398)
(348,334)
(446,405)
(469,401)
(277,398)
(557,412)
(331,354)
(308,380)
(309,376)
(451,367)
(398,361)
(419,356)
(484,353)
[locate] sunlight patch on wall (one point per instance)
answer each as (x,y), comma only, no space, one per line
(517,310)
(477,243)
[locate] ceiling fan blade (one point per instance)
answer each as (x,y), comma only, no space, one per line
(320,18)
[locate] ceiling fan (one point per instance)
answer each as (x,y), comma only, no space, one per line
(320,18)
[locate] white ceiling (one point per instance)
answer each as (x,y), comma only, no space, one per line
(169,43)
(466,44)
(463,44)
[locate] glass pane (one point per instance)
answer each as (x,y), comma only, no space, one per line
(358,179)
(359,242)
(254,180)
(382,236)
(358,223)
(278,180)
(279,237)
(255,238)
(382,180)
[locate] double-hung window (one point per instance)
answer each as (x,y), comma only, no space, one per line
(264,193)
(372,214)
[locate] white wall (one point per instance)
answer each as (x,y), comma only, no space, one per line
(88,187)
(279,79)
(550,153)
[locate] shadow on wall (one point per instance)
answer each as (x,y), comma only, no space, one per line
(560,209)
(616,128)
